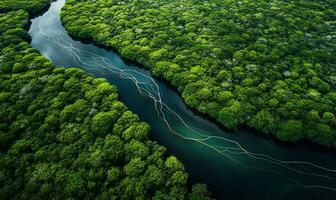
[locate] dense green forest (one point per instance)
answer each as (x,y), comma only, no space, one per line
(65,135)
(267,64)
(32,6)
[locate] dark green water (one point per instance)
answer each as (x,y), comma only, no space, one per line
(239,165)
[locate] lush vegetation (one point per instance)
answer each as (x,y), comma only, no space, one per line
(65,135)
(32,6)
(268,64)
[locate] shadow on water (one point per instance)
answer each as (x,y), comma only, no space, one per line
(235,165)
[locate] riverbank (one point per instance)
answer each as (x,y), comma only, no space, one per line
(312,145)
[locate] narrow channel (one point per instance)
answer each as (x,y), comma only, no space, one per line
(235,165)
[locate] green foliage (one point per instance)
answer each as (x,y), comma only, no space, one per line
(264,121)
(199,192)
(103,122)
(135,167)
(259,63)
(230,115)
(65,135)
(290,130)
(32,6)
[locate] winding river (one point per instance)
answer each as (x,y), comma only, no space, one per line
(239,165)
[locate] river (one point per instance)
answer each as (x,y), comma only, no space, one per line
(234,165)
